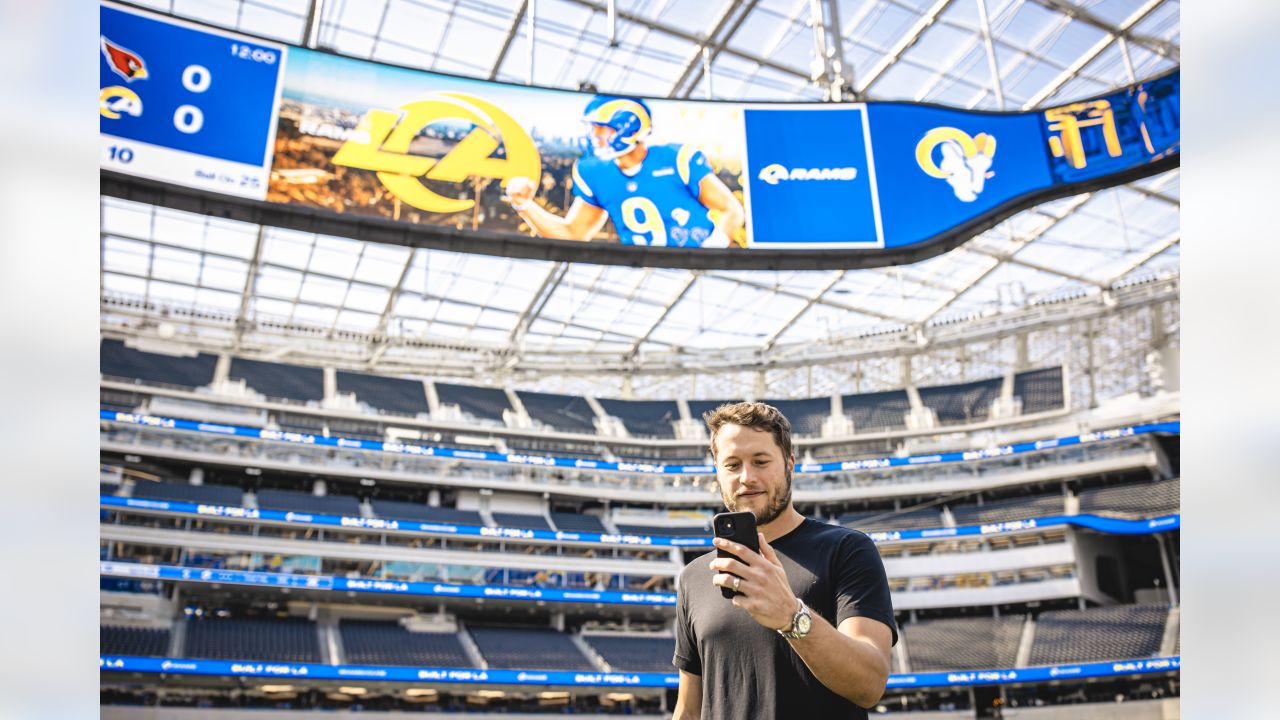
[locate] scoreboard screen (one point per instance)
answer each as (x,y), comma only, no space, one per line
(187,104)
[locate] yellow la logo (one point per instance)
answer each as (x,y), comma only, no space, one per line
(117,99)
(382,138)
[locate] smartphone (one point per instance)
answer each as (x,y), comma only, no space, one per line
(739,527)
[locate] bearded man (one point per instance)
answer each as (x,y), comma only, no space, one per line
(808,632)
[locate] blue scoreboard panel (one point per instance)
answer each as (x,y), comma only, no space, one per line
(187,104)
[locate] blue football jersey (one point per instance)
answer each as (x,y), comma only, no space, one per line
(656,206)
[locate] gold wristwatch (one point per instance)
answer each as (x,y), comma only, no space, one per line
(801,623)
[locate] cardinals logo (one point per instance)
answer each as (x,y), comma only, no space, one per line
(124,62)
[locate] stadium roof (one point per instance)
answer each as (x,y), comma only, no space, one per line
(387,302)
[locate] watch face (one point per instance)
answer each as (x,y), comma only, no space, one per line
(803,623)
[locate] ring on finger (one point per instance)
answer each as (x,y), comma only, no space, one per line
(736,582)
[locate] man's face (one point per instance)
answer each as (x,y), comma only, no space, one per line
(752,474)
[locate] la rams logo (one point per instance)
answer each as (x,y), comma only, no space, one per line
(965,163)
(381,144)
(117,99)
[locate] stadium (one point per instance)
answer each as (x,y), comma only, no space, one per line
(385,447)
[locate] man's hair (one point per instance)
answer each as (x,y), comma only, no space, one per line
(755,415)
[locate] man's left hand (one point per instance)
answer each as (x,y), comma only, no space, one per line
(765,593)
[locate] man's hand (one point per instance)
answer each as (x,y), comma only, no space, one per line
(520,190)
(765,593)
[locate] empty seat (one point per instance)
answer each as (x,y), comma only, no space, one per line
(1119,632)
(478,402)
(421,512)
(372,642)
(277,639)
(134,641)
(699,408)
(292,500)
(385,394)
(208,494)
(630,653)
(528,648)
(674,531)
(878,410)
(963,643)
(1133,500)
(1040,390)
(645,418)
(806,416)
(566,413)
(521,520)
(280,381)
(578,522)
(869,521)
(117,361)
(1004,510)
(965,402)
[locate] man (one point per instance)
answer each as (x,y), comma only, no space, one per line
(809,634)
(661,195)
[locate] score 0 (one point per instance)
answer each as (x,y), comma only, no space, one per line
(189,118)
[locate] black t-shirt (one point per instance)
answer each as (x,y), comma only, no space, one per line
(750,672)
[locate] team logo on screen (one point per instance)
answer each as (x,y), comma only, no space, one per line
(775,173)
(965,163)
(117,99)
(382,139)
(123,62)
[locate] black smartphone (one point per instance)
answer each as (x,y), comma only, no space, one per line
(739,527)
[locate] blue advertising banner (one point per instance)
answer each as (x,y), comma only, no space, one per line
(187,104)
(628,467)
(252,668)
(349,146)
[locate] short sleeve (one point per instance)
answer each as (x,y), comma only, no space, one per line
(692,165)
(582,190)
(862,587)
(686,656)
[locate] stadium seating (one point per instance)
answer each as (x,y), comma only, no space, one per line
(961,403)
(566,413)
(386,394)
(277,639)
(644,418)
(677,531)
(521,520)
(963,643)
(1133,500)
(528,648)
(1040,390)
(208,494)
(117,361)
(1097,634)
(877,411)
(698,408)
(422,512)
(299,423)
(292,500)
(117,401)
(630,653)
(993,511)
(578,522)
(356,430)
(135,641)
(478,402)
(806,416)
(372,642)
(869,521)
(280,381)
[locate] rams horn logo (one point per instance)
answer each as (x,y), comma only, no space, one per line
(124,62)
(966,161)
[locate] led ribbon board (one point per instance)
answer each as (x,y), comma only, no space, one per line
(384,153)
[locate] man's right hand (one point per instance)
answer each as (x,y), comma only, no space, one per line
(520,190)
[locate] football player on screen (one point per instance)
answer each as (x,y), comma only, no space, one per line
(660,195)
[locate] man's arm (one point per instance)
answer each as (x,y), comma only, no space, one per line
(688,698)
(852,661)
(715,195)
(582,221)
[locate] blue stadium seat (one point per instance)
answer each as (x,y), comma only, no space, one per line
(966,402)
(645,418)
(806,416)
(1136,500)
(1119,632)
(1004,510)
(478,402)
(566,413)
(877,411)
(699,408)
(528,648)
(276,639)
(207,494)
(372,642)
(963,643)
(869,521)
(388,395)
(292,500)
(578,522)
(421,512)
(280,381)
(117,361)
(135,641)
(629,653)
(686,531)
(521,520)
(1040,390)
